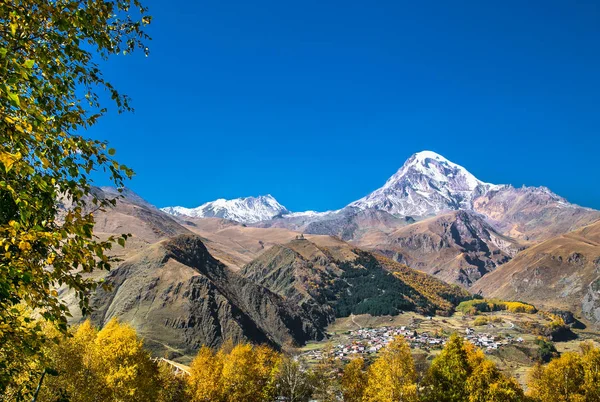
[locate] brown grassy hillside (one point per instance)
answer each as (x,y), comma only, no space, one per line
(562,272)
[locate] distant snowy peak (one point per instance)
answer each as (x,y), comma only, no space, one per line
(438,168)
(243,210)
(426,184)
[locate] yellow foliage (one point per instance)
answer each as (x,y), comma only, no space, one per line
(325,375)
(571,377)
(392,377)
(109,365)
(562,380)
(21,367)
(204,382)
(486,305)
(462,373)
(239,373)
(354,380)
(127,368)
(488,384)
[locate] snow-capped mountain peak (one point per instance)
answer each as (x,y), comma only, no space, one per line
(425,185)
(243,210)
(437,167)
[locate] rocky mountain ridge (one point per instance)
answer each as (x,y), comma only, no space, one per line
(178,296)
(338,280)
(242,269)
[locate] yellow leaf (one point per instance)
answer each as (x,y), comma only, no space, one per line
(8,159)
(24,246)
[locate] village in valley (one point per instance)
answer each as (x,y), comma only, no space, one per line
(367,341)
(506,338)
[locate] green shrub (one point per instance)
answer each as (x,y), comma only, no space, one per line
(546,350)
(473,307)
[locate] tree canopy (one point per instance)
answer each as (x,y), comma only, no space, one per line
(51,90)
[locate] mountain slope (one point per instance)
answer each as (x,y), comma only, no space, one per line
(334,279)
(562,272)
(178,296)
(243,210)
(233,243)
(133,215)
(457,247)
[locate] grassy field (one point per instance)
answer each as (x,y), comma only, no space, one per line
(515,359)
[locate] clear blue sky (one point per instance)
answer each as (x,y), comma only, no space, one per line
(319,102)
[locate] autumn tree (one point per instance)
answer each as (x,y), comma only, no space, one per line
(462,373)
(570,377)
(392,377)
(591,369)
(354,380)
(293,381)
(248,374)
(235,373)
(51,89)
(127,369)
(172,386)
(106,365)
(447,376)
(488,384)
(266,364)
(325,376)
(21,367)
(75,360)
(205,376)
